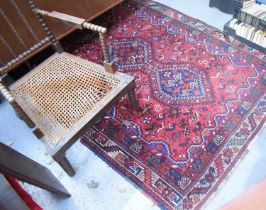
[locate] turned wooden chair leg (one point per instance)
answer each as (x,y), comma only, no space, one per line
(64,163)
(38,133)
(19,111)
(22,115)
(132,97)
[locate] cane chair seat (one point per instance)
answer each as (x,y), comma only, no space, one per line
(58,93)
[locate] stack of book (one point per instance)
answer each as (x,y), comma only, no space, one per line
(249,22)
(249,3)
(249,32)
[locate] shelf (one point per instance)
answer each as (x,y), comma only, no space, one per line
(247,15)
(230,31)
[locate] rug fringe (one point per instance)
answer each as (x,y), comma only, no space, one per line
(224,182)
(232,171)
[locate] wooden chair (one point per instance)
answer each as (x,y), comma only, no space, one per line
(65,94)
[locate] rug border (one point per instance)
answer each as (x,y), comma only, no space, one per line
(115,166)
(237,160)
(142,2)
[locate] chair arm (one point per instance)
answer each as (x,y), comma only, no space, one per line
(72,20)
(81,24)
(94,27)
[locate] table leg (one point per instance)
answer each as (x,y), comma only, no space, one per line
(132,97)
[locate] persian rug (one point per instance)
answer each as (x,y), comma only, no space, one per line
(202,99)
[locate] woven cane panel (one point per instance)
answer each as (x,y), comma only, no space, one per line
(59,94)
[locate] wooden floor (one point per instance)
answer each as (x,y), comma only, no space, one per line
(9,198)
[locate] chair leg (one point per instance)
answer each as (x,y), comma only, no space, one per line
(64,163)
(132,97)
(22,115)
(114,16)
(26,119)
(38,133)
(19,111)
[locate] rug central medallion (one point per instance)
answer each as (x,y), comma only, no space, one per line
(129,53)
(182,85)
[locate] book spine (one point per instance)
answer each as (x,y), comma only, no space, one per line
(250,22)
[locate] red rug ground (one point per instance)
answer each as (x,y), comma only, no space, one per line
(201,101)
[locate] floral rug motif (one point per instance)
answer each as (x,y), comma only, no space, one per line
(201,102)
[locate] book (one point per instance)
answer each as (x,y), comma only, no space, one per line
(249,27)
(232,23)
(264,40)
(249,21)
(243,29)
(251,31)
(242,16)
(253,34)
(256,37)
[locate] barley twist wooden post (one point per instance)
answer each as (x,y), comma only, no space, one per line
(8,67)
(22,115)
(58,47)
(108,64)
(104,47)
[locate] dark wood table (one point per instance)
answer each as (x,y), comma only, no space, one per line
(86,9)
